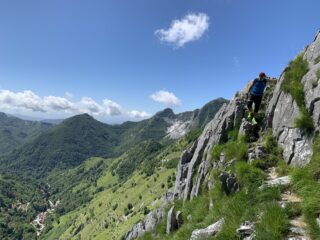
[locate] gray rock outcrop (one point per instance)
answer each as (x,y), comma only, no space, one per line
(256,152)
(246,231)
(281,181)
(229,183)
(211,230)
(147,225)
(283,110)
(172,223)
(195,162)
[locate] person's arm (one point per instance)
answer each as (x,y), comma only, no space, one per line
(272,80)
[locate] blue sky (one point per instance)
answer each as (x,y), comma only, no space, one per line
(108,58)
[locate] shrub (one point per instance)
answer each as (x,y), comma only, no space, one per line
(292,79)
(304,121)
(146,211)
(317,60)
(130,206)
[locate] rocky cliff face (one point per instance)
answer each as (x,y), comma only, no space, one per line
(281,112)
(195,162)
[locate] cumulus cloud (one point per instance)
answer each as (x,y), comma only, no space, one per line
(29,101)
(25,100)
(190,28)
(165,97)
(58,103)
(138,114)
(112,108)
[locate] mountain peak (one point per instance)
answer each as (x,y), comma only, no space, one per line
(167,112)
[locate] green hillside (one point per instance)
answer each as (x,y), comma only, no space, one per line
(80,137)
(99,202)
(14,132)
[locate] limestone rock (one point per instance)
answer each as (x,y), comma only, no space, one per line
(281,181)
(179,219)
(211,230)
(172,223)
(147,225)
(246,230)
(282,111)
(195,163)
(249,130)
(257,152)
(229,183)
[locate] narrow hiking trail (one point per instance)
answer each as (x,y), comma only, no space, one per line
(298,226)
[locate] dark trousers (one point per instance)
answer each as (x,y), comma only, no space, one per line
(256,100)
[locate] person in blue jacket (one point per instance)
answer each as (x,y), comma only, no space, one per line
(255,93)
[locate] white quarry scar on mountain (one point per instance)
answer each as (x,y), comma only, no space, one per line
(178,129)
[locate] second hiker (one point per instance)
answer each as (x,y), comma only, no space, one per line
(255,94)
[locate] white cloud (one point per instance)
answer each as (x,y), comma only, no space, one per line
(190,28)
(112,108)
(138,114)
(21,100)
(166,98)
(27,101)
(58,103)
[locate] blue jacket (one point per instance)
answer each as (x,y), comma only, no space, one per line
(258,87)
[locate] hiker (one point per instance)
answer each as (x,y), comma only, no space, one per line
(255,94)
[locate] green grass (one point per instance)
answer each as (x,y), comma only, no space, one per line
(292,85)
(306,184)
(99,218)
(292,79)
(273,224)
(249,203)
(233,149)
(317,60)
(304,121)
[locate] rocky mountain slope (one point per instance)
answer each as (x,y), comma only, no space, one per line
(220,179)
(80,137)
(59,171)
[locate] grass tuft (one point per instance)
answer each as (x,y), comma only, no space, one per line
(292,85)
(306,184)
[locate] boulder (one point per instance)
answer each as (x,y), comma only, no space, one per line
(229,183)
(246,230)
(281,181)
(211,230)
(249,130)
(256,152)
